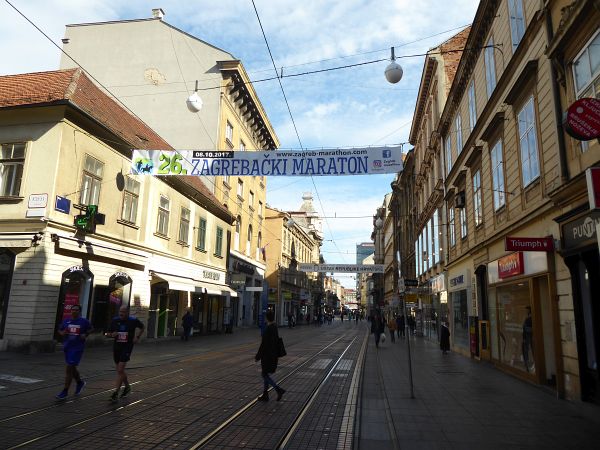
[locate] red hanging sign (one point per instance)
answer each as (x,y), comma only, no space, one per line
(583,119)
(511,265)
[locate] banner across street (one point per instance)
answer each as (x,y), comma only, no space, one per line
(324,162)
(344,268)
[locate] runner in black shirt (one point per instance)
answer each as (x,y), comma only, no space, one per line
(122,329)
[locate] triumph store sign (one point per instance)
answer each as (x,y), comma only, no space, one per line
(511,265)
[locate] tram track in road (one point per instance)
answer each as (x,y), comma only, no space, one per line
(189,380)
(215,438)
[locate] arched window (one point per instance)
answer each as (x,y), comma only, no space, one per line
(258,245)
(238,227)
(249,241)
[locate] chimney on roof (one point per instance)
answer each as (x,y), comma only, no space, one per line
(158,13)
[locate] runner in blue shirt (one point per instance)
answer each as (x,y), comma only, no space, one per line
(122,329)
(76,330)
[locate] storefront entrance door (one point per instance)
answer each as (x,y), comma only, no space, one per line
(585,273)
(7,261)
(163,305)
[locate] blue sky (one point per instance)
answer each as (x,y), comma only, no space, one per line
(349,107)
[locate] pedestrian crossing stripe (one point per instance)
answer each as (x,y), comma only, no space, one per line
(17,379)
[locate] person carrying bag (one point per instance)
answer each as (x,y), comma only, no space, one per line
(271,348)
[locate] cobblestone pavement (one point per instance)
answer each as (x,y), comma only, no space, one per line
(462,404)
(183,392)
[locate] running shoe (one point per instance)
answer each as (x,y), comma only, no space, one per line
(114,397)
(62,394)
(80,387)
(126,391)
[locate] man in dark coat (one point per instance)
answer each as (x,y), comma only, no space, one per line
(445,338)
(400,324)
(268,354)
(187,321)
(377,327)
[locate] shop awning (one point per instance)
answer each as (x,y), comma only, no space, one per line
(179,283)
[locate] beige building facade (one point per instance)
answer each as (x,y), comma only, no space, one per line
(291,291)
(65,146)
(156,68)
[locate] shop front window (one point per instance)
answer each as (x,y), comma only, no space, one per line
(75,289)
(515,326)
(460,318)
(108,300)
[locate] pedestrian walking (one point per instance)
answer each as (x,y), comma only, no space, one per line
(377,327)
(392,327)
(356,318)
(123,331)
(76,329)
(445,338)
(411,324)
(187,321)
(268,355)
(400,325)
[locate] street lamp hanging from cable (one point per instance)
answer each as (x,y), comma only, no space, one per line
(194,102)
(393,72)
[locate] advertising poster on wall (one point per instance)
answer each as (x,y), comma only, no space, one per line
(70,300)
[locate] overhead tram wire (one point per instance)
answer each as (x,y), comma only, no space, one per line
(210,78)
(292,117)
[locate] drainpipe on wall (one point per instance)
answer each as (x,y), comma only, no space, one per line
(562,153)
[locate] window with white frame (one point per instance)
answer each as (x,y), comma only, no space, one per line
(530,164)
(463,222)
(498,175)
(258,245)
(249,241)
(418,257)
(131,195)
(477,208)
(229,132)
(517,21)
(490,67)
(472,106)
(240,189)
(586,74)
(12,161)
(451,226)
(242,146)
(219,242)
(448,154)
(184,225)
(202,234)
(162,226)
(236,238)
(251,199)
(91,181)
(458,129)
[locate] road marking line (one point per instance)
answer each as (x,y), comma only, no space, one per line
(18,379)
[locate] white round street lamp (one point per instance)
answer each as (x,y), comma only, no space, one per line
(393,72)
(194,102)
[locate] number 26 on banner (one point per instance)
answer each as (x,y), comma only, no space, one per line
(171,165)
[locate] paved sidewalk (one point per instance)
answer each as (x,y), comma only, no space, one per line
(464,404)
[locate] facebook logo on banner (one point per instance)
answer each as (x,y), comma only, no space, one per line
(387,153)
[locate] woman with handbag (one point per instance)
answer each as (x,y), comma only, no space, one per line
(271,348)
